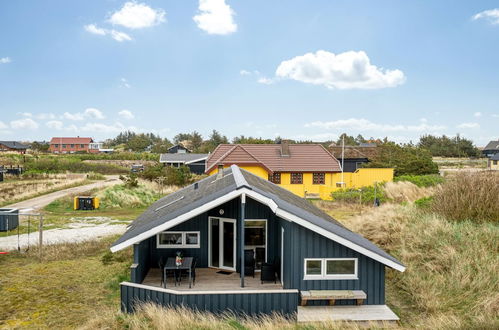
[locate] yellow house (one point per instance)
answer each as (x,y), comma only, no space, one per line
(493,163)
(308,170)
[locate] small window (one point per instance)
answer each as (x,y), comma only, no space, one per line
(56,146)
(296,178)
(495,162)
(220,168)
(319,178)
(64,146)
(178,239)
(275,178)
(82,146)
(331,269)
(313,267)
(72,146)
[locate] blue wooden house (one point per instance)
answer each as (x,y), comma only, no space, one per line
(293,255)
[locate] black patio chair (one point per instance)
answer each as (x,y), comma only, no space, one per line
(185,273)
(249,263)
(161,266)
(268,273)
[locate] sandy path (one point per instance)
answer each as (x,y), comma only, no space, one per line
(44,200)
(55,236)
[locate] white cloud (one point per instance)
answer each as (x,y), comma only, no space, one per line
(468,125)
(245,73)
(126,114)
(362,125)
(265,81)
(124,83)
(3,125)
(55,124)
(491,15)
(116,35)
(349,70)
(104,128)
(495,115)
(94,113)
(215,17)
(73,116)
(135,15)
(5,60)
(477,114)
(25,123)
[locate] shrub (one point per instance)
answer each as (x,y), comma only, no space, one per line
(58,165)
(469,196)
(428,180)
(352,195)
(95,176)
(130,181)
(424,203)
(168,175)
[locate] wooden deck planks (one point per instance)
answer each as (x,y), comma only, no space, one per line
(346,313)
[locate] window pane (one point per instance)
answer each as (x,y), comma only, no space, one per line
(314,267)
(341,267)
(171,239)
(192,238)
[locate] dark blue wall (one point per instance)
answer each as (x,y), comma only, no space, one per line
(301,243)
(253,304)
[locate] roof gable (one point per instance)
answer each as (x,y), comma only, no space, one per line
(213,191)
(492,145)
(71,140)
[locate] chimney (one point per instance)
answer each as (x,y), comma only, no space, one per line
(285,148)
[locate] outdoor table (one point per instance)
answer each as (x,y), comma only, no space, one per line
(171,265)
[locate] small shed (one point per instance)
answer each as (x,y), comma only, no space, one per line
(9,219)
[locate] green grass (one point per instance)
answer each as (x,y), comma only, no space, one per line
(364,194)
(69,286)
(429,180)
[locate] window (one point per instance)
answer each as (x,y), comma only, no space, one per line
(331,269)
(56,146)
(72,146)
(495,162)
(296,178)
(220,168)
(319,178)
(275,178)
(64,146)
(82,146)
(178,239)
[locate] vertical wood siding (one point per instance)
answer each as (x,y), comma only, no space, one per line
(253,304)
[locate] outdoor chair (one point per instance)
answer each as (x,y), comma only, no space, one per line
(249,263)
(185,273)
(268,273)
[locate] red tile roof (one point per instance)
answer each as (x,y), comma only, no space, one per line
(302,158)
(71,140)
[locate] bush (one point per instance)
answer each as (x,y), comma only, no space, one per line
(469,196)
(75,165)
(167,175)
(424,203)
(428,180)
(130,181)
(352,195)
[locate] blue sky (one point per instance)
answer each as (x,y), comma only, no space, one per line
(298,69)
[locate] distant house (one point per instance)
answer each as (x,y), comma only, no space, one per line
(355,156)
(250,247)
(65,145)
(13,146)
(195,162)
(308,170)
(178,149)
(491,149)
(493,162)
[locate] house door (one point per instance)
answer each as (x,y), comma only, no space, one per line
(222,243)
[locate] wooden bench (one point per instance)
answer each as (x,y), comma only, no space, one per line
(332,295)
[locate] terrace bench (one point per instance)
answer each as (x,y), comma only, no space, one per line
(332,295)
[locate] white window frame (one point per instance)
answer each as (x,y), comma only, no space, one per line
(184,244)
(325,276)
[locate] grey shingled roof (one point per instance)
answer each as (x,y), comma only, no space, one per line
(211,188)
(181,158)
(14,145)
(492,145)
(495,157)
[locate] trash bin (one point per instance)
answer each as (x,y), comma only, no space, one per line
(86,203)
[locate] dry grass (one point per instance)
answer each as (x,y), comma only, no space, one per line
(451,279)
(469,196)
(404,191)
(151,316)
(15,190)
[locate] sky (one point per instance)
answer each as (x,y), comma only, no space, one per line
(307,70)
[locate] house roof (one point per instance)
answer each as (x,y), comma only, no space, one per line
(14,145)
(178,145)
(492,145)
(182,158)
(495,157)
(234,182)
(302,157)
(354,151)
(71,140)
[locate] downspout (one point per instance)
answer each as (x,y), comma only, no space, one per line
(243,205)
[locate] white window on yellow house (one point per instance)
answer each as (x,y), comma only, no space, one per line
(296,178)
(275,178)
(319,178)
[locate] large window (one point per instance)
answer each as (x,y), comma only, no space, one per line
(319,178)
(330,269)
(296,178)
(178,239)
(275,178)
